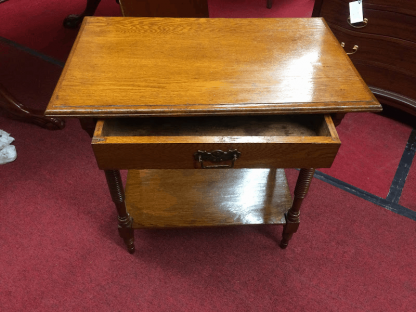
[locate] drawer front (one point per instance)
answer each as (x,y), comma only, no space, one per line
(401,6)
(387,79)
(178,152)
(395,53)
(393,5)
(380,22)
(181,155)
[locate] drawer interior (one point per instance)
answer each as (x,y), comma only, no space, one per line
(281,125)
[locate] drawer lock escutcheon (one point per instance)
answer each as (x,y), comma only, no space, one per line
(217,156)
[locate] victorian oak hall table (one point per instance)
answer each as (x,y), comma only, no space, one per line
(203,112)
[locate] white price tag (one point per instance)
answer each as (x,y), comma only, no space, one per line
(356,11)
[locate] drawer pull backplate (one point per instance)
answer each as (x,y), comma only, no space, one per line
(365,22)
(217,156)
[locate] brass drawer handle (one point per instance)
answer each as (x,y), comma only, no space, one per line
(217,156)
(355,48)
(365,21)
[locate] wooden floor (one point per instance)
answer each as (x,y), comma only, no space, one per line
(215,197)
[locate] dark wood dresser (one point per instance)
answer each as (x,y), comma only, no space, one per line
(383,47)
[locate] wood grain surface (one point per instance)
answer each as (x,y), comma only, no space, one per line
(380,22)
(188,198)
(406,7)
(301,141)
(387,46)
(402,6)
(394,53)
(182,67)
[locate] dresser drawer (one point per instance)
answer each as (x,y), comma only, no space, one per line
(380,22)
(406,6)
(299,141)
(401,6)
(383,77)
(395,53)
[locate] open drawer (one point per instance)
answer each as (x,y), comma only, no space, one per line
(280,141)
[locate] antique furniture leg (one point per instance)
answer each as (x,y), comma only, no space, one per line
(269,4)
(15,110)
(88,124)
(292,216)
(337,118)
(74,20)
(115,186)
(125,229)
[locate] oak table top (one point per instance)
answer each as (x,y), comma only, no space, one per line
(124,67)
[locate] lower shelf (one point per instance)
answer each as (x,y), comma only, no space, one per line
(212,197)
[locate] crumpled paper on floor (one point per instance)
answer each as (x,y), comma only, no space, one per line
(7,151)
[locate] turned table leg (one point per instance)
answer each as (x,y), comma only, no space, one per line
(302,187)
(124,220)
(115,185)
(74,20)
(292,216)
(16,110)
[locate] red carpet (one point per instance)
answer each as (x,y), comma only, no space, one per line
(369,154)
(408,198)
(59,246)
(38,24)
(30,79)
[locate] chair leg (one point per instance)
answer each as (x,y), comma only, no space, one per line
(269,4)
(74,20)
(16,110)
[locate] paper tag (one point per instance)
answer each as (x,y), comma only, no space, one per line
(356,11)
